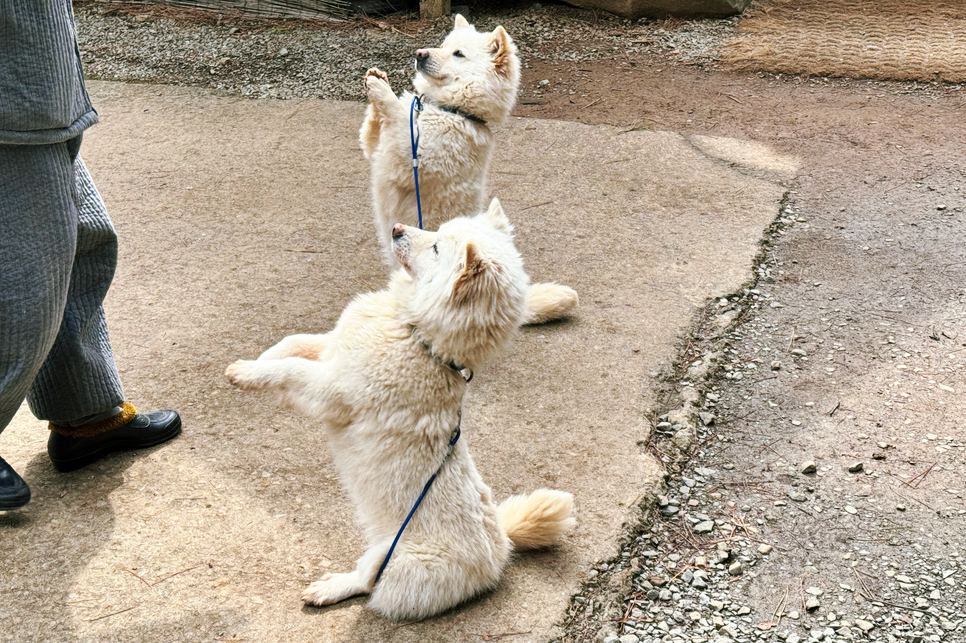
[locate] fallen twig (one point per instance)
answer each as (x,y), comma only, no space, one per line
(91,620)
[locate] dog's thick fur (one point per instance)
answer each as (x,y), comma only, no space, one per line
(385,386)
(476,75)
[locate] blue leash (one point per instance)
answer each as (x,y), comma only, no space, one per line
(416,107)
(452,443)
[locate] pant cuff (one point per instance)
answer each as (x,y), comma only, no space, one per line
(90,430)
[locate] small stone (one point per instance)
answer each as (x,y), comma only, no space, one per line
(706,418)
(900,507)
(629,638)
(797,496)
(704,527)
(544,82)
(665,595)
(798,352)
(794,615)
(856,467)
(735,569)
(776,365)
(812,604)
(865,626)
(744,609)
(809,467)
(764,549)
(815,591)
(850,509)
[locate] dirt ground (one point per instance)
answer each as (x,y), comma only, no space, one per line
(866,278)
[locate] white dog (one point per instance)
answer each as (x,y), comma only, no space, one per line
(386,383)
(466,84)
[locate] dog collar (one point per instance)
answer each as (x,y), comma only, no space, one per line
(460,370)
(455,110)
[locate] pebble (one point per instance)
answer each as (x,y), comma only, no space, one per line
(735,569)
(764,549)
(704,527)
(856,467)
(809,467)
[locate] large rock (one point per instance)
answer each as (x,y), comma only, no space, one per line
(635,9)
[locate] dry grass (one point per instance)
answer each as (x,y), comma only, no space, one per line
(923,40)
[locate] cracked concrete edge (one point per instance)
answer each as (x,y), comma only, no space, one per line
(682,386)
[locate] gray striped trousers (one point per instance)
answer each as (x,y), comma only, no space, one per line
(58,252)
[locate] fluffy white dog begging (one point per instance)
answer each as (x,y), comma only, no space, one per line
(387,384)
(465,85)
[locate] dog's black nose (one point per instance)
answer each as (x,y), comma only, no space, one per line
(398,230)
(422,54)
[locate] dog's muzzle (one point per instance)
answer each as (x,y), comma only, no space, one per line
(425,62)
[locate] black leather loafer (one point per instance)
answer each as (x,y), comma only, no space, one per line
(14,492)
(144,430)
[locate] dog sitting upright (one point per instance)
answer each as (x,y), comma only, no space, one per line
(387,387)
(466,84)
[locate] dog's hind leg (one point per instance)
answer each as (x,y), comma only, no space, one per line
(333,588)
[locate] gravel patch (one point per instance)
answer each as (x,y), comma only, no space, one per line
(294,60)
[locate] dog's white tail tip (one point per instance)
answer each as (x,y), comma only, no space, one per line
(549,301)
(539,519)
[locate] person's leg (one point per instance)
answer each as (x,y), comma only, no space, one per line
(78,389)
(37,241)
(79,378)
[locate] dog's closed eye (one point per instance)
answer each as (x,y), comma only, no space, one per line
(436,248)
(459,54)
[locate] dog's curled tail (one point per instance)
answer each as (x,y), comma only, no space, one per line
(548,302)
(537,520)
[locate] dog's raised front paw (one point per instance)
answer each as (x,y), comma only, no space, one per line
(243,375)
(377,84)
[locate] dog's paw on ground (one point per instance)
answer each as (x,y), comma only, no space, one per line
(333,588)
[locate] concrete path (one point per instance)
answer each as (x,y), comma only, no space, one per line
(243,221)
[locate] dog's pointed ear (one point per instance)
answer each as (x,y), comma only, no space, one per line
(460,22)
(501,48)
(495,216)
(473,266)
